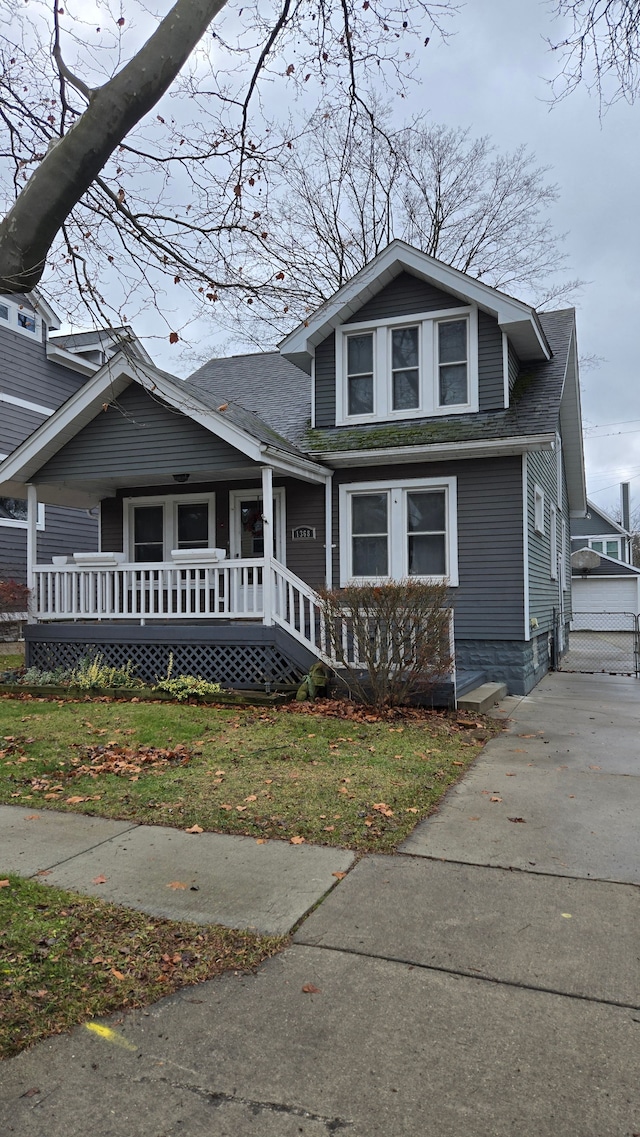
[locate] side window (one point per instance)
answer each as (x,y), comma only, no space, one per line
(360,400)
(453,388)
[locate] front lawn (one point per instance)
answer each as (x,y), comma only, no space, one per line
(293,773)
(66,959)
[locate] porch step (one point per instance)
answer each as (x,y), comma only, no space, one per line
(482,699)
(467,680)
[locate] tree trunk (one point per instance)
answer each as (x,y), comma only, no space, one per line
(72,163)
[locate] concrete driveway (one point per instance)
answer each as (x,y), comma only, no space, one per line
(558,792)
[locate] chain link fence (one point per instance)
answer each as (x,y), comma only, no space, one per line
(603,642)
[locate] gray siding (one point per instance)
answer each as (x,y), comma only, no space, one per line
(593,526)
(606,568)
(66,531)
(514,367)
(403,297)
(325,382)
(489,601)
(490,364)
(138,435)
(27,373)
(16,424)
(304,505)
(544,593)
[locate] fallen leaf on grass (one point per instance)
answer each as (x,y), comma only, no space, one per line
(339,875)
(241,808)
(195,829)
(99,879)
(328,829)
(309,989)
(383,808)
(411,809)
(297,841)
(75,800)
(251,797)
(118,974)
(521,820)
(227,807)
(5,883)
(457,763)
(176,884)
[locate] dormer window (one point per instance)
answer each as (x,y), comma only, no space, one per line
(452,363)
(19,318)
(399,368)
(360,374)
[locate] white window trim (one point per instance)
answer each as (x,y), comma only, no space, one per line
(428,368)
(538,497)
(397,535)
(563,557)
(12,322)
(559,469)
(8,523)
(170,503)
(553,539)
(280,520)
(604,541)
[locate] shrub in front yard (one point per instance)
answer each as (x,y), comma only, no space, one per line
(392,640)
(14,597)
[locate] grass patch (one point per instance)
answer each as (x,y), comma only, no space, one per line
(360,782)
(9,661)
(66,959)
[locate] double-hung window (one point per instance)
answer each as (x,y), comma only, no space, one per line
(399,530)
(611,548)
(158,525)
(396,369)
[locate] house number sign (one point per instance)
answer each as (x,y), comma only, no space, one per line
(303,533)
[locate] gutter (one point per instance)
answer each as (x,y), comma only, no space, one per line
(437,451)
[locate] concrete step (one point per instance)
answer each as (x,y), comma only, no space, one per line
(482,699)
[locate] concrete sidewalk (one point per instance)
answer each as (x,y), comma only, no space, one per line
(457,996)
(230,880)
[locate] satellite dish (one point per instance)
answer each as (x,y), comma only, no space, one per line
(584,560)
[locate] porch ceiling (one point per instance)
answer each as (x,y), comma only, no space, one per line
(80,493)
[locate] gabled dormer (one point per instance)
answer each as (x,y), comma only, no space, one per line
(411,338)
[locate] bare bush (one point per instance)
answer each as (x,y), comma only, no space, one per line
(392,640)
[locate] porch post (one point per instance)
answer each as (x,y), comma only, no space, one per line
(328,530)
(32,545)
(267,522)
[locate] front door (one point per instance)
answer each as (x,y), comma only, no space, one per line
(247,527)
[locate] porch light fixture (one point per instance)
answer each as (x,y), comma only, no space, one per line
(181,477)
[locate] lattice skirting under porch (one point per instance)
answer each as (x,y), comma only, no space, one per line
(249,662)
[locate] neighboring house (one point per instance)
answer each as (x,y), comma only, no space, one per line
(420,424)
(38,372)
(611,584)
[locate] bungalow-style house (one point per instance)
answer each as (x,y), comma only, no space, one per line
(40,371)
(420,424)
(605,584)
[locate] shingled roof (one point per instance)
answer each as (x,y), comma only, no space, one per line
(275,394)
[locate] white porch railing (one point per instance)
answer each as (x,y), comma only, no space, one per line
(223,590)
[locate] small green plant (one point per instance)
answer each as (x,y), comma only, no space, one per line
(37,677)
(94,672)
(185,686)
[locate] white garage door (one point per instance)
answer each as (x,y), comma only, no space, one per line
(610,594)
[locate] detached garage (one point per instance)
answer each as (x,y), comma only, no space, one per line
(601,584)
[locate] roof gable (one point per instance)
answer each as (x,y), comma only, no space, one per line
(518,320)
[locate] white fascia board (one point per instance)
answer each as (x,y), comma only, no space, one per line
(398,257)
(571,434)
(107,384)
(438,451)
(44,309)
(299,467)
(68,359)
